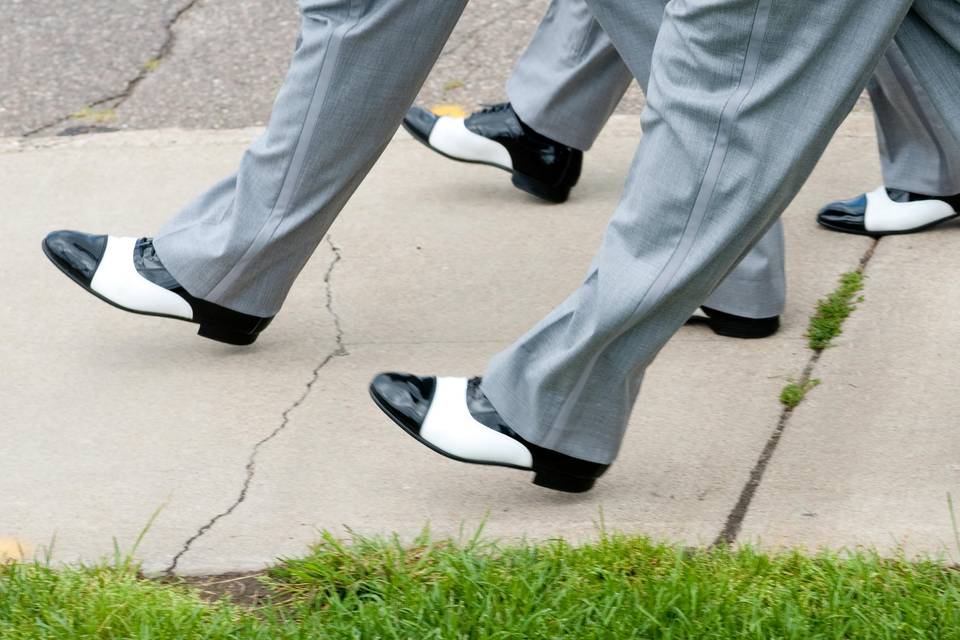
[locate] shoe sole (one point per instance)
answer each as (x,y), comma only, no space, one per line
(521,181)
(542,478)
(729,331)
(210,332)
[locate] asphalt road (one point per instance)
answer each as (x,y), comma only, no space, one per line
(207,64)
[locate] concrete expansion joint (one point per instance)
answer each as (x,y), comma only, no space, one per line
(339,351)
(734,522)
(114,101)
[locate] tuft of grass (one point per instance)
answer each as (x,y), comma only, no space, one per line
(617,587)
(794,393)
(151,65)
(450,85)
(827,323)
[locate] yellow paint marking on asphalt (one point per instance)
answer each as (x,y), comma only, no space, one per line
(12,550)
(452,110)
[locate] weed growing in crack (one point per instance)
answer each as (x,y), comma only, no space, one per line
(794,393)
(827,323)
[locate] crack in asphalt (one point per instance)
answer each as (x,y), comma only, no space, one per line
(734,522)
(116,100)
(340,350)
(467,36)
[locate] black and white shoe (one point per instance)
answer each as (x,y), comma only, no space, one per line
(887,212)
(127,273)
(729,325)
(497,137)
(453,417)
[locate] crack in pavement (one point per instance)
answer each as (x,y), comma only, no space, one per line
(734,522)
(116,100)
(340,350)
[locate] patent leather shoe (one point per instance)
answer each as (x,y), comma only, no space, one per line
(128,274)
(453,417)
(886,211)
(497,137)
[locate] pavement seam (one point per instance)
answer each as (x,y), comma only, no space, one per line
(734,522)
(116,100)
(340,350)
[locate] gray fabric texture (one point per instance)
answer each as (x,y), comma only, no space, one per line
(743,97)
(918,152)
(566,85)
(570,78)
(243,243)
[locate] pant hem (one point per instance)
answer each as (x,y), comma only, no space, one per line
(532,117)
(516,419)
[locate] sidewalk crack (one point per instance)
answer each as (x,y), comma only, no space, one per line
(340,350)
(734,522)
(117,99)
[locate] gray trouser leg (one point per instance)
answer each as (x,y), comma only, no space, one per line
(567,84)
(757,286)
(744,96)
(358,67)
(570,78)
(917,150)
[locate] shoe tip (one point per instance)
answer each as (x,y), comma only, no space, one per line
(66,238)
(402,388)
(59,244)
(825,215)
(419,121)
(856,205)
(380,380)
(76,254)
(844,215)
(383,384)
(57,238)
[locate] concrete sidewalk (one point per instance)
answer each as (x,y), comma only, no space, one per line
(106,417)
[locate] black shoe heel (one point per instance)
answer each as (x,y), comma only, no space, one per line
(560,481)
(540,189)
(226,335)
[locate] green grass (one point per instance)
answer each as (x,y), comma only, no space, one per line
(827,323)
(619,587)
(794,393)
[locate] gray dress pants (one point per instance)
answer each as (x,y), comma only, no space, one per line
(743,97)
(918,151)
(567,84)
(357,67)
(570,79)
